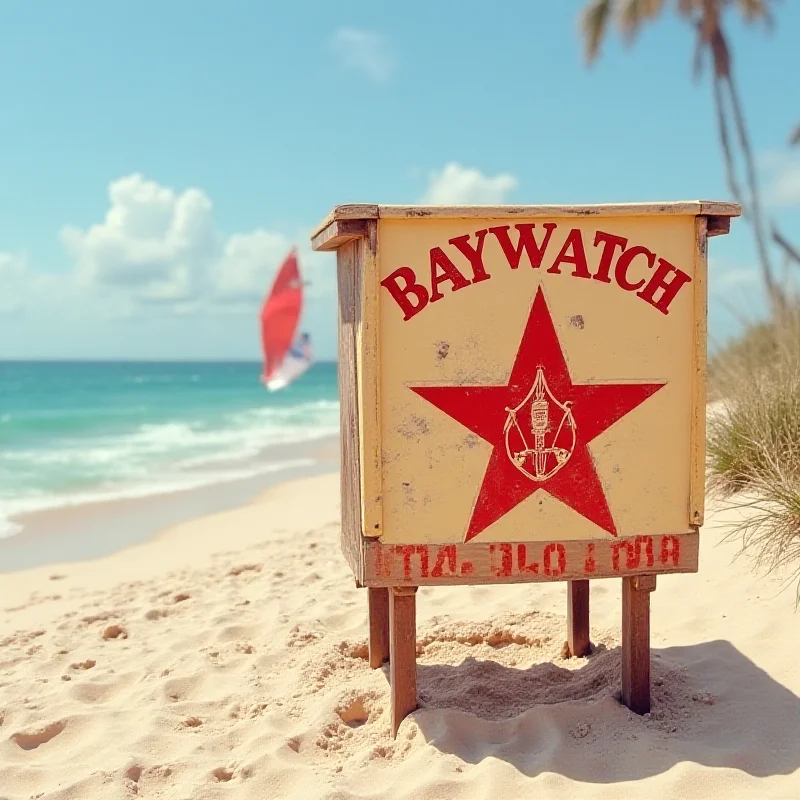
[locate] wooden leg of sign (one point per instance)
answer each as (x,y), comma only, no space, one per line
(636,642)
(402,652)
(577,619)
(378,600)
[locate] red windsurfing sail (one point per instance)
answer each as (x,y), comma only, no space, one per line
(280,315)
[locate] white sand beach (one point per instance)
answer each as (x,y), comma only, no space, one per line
(226,658)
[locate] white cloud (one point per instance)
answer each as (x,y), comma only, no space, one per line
(158,245)
(156,278)
(366,51)
(458,185)
(14,282)
(725,276)
(782,173)
(247,262)
(153,242)
(23,288)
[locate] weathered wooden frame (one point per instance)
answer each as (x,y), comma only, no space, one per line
(352,231)
(392,573)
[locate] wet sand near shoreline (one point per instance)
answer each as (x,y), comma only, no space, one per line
(92,530)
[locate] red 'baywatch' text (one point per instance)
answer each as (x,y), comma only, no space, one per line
(631,267)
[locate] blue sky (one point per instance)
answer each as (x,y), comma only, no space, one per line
(159,158)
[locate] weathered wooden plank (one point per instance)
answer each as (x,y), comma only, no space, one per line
(525,562)
(592,210)
(403,653)
(369,386)
(352,211)
(337,233)
(378,605)
(697,445)
(349,259)
(636,642)
(578,643)
(364,211)
(718,225)
(719,208)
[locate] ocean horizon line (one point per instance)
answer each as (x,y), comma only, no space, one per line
(144,361)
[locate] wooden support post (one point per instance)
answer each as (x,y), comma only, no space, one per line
(636,642)
(403,652)
(378,600)
(577,619)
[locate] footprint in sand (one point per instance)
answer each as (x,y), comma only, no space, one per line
(239,569)
(133,773)
(358,651)
(30,741)
(115,632)
(102,617)
(177,689)
(354,713)
(222,774)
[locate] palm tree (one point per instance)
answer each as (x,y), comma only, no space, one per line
(705,16)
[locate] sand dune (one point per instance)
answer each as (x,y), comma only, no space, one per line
(227,659)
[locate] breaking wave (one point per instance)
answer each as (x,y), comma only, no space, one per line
(196,448)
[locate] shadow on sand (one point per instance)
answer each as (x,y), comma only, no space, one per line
(710,705)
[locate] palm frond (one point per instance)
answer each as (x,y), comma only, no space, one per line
(756,10)
(632,14)
(594,21)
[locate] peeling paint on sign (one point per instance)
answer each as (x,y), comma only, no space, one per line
(484,332)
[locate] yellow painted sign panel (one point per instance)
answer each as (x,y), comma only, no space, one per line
(536,378)
(531,399)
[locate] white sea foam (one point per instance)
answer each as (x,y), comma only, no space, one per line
(158,457)
(166,484)
(8,528)
(189,445)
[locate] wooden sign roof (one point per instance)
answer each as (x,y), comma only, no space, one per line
(366,211)
(523,379)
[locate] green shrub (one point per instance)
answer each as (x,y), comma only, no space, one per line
(754,439)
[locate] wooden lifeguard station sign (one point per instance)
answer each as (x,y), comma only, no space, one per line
(522,399)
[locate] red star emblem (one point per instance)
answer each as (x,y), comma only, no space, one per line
(585,410)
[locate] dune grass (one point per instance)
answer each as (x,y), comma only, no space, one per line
(754,440)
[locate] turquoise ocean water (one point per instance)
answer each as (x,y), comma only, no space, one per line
(74,432)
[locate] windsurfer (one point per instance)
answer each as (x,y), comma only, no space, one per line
(285,358)
(302,348)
